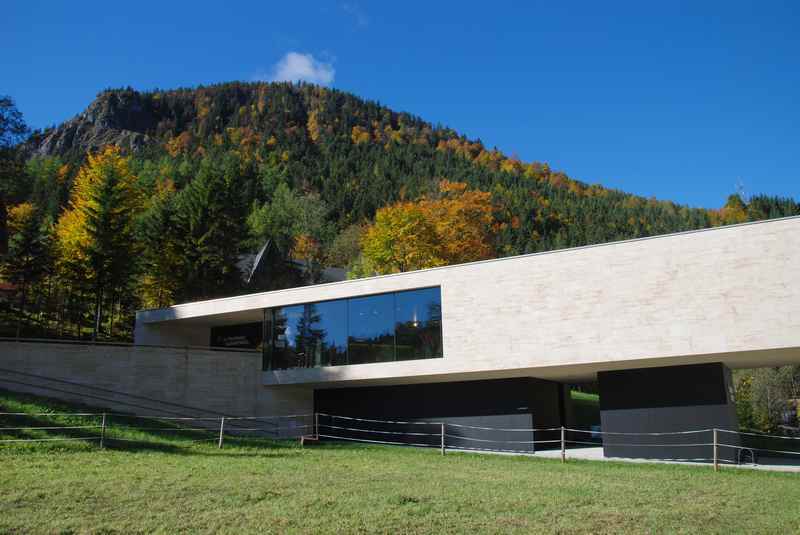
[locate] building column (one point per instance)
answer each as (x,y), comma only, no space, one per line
(667,400)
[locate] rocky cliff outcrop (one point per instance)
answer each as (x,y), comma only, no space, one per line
(121,118)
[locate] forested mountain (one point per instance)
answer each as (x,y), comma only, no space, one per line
(206,175)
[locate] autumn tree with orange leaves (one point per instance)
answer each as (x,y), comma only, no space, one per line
(453,227)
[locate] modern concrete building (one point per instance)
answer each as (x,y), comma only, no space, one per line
(657,322)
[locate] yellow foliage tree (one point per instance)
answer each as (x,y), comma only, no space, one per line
(455,227)
(734,211)
(360,135)
(19,215)
(95,234)
(402,239)
(463,220)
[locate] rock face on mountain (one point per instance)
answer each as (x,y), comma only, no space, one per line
(120,118)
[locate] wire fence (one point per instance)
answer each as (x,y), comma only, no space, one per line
(108,429)
(712,445)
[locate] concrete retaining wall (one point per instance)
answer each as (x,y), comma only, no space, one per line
(148,380)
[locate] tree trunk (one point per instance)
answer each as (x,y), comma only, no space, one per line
(23,297)
(98,307)
(111,319)
(62,305)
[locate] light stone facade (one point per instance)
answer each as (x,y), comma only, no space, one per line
(729,294)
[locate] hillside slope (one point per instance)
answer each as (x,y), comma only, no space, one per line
(213,173)
(359,156)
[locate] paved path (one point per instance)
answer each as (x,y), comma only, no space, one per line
(596,454)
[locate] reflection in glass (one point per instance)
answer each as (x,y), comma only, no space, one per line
(311,335)
(377,328)
(418,324)
(330,324)
(371,329)
(285,329)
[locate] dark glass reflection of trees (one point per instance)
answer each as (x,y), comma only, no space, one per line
(379,328)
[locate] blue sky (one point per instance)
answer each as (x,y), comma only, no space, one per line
(678,100)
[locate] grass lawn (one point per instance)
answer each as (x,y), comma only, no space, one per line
(169,486)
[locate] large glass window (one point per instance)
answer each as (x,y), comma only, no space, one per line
(418,324)
(310,335)
(371,333)
(376,328)
(330,326)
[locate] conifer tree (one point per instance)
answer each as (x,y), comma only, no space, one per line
(96,232)
(161,259)
(29,254)
(209,216)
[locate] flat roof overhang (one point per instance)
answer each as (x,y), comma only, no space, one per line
(729,294)
(425,371)
(228,310)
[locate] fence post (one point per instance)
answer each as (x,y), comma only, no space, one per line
(563,446)
(442,438)
(716,463)
(103,431)
(316,424)
(221,430)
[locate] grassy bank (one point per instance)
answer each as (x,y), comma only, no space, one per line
(167,485)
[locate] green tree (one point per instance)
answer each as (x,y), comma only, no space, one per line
(12,131)
(346,247)
(765,395)
(161,261)
(29,257)
(209,221)
(296,224)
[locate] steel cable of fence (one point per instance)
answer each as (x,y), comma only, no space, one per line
(49,428)
(50,414)
(491,450)
(140,441)
(164,418)
(381,432)
(380,421)
(649,445)
(505,429)
(272,426)
(760,435)
(380,441)
(661,433)
(758,449)
(48,439)
(499,441)
(583,442)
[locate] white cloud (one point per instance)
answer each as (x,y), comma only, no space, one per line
(295,66)
(355,11)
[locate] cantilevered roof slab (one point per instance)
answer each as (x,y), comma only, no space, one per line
(729,294)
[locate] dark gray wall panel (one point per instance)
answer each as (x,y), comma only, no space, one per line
(672,386)
(522,403)
(660,400)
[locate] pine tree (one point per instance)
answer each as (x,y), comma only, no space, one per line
(209,216)
(161,258)
(29,256)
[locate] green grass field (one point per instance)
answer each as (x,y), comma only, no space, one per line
(167,485)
